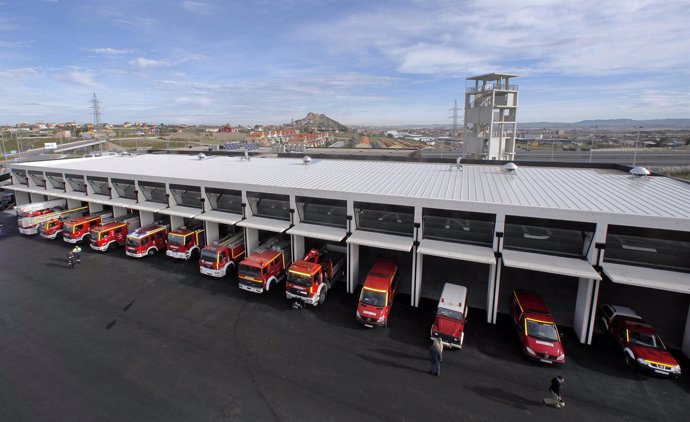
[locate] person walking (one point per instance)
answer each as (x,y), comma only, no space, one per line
(436,356)
(77,253)
(555,389)
(70,260)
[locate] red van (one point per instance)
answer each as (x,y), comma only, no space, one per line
(536,328)
(451,315)
(378,292)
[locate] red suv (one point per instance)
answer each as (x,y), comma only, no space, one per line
(536,328)
(641,346)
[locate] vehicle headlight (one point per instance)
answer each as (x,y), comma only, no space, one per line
(434,334)
(561,356)
(641,361)
(455,339)
(381,318)
(530,351)
(676,369)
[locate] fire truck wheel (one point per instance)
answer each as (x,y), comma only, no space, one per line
(630,362)
(151,252)
(322,296)
(112,246)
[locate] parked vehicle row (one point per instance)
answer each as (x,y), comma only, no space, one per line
(309,279)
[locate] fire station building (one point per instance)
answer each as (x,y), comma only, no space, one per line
(579,237)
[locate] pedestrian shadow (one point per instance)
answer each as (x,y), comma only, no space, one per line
(58,265)
(505,397)
(386,362)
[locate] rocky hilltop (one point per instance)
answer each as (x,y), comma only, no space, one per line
(313,121)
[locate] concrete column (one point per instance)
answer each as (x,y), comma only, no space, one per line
(251,239)
(176,222)
(416,278)
(353,267)
(146,218)
(140,198)
(298,247)
(494,283)
(37,197)
(119,211)
(94,207)
(74,203)
(22,198)
(588,290)
(418,272)
(212,232)
(352,250)
(686,336)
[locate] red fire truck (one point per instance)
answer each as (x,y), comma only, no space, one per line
(51,228)
(77,230)
(26,214)
(109,236)
(147,240)
(310,278)
(266,266)
(221,257)
(186,242)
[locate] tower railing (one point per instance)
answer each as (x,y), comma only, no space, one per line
(491,87)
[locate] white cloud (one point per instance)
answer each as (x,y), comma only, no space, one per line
(79,78)
(199,7)
(13,76)
(110,51)
(146,63)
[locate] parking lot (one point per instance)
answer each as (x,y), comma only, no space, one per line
(123,339)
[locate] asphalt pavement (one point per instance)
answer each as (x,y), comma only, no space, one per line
(121,339)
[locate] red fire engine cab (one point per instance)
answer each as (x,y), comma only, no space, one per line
(52,224)
(186,241)
(266,266)
(222,256)
(76,230)
(147,240)
(310,278)
(26,214)
(109,236)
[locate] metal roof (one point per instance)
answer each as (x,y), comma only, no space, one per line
(491,77)
(424,184)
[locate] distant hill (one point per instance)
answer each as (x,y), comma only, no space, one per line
(611,124)
(313,121)
(584,124)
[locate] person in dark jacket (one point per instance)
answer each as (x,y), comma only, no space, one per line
(436,356)
(555,390)
(71,260)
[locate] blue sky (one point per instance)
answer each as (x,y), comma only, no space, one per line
(360,62)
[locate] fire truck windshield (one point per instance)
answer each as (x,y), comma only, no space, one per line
(249,271)
(299,278)
(176,239)
(373,297)
(133,242)
(68,228)
(208,255)
(542,330)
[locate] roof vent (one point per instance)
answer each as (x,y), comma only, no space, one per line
(510,167)
(458,162)
(306,159)
(639,172)
(201,156)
